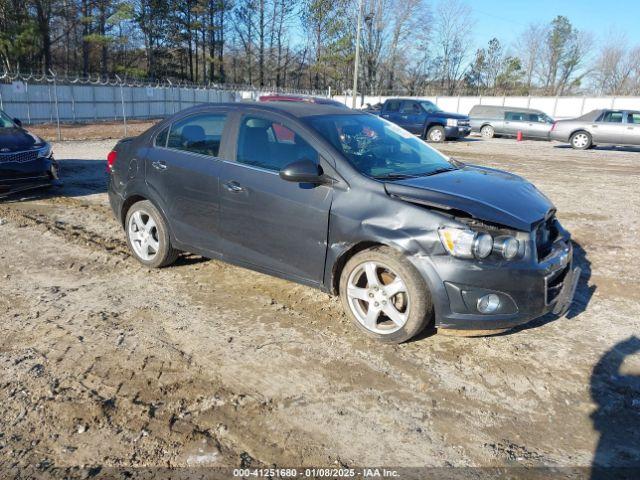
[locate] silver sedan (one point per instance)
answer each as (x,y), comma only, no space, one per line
(610,127)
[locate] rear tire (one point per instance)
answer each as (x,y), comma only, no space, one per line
(148,236)
(581,140)
(487,131)
(385,296)
(436,134)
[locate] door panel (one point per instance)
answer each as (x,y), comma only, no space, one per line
(632,129)
(514,122)
(266,221)
(184,173)
(610,129)
(537,127)
(413,116)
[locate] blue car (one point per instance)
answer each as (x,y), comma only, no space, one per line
(26,161)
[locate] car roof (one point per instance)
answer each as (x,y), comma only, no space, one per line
(293,109)
(504,108)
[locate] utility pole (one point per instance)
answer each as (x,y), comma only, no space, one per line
(354,93)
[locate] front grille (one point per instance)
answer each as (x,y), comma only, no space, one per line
(463,123)
(19,157)
(546,234)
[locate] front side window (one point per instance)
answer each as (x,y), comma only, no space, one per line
(267,144)
(411,108)
(633,118)
(378,148)
(612,117)
(200,134)
(430,107)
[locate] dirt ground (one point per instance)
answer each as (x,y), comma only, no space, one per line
(91,131)
(106,363)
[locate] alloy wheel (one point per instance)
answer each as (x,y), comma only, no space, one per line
(143,234)
(378,298)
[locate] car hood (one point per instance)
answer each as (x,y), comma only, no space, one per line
(16,139)
(484,193)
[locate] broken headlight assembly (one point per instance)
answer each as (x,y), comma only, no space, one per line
(466,243)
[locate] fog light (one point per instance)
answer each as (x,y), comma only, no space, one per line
(488,303)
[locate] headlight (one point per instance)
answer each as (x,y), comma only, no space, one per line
(452,122)
(44,152)
(466,243)
(509,247)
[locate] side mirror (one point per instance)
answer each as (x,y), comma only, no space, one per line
(303,171)
(17,122)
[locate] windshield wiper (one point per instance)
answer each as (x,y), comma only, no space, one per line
(395,176)
(400,176)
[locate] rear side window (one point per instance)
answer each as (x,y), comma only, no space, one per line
(200,134)
(266,144)
(161,138)
(633,118)
(392,106)
(612,117)
(514,116)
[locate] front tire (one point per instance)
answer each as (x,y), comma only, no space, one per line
(148,236)
(436,134)
(385,296)
(581,140)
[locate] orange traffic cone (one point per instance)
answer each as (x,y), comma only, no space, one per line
(519,136)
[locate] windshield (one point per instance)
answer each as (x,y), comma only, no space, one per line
(5,121)
(430,107)
(378,148)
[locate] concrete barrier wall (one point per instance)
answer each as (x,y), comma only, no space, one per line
(75,102)
(45,103)
(556,107)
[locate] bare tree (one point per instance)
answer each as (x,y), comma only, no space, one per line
(528,48)
(453,24)
(616,68)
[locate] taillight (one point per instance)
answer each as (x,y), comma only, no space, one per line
(553,127)
(111,160)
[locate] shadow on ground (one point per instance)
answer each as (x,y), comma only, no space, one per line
(605,148)
(617,418)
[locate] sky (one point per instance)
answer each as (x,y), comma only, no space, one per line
(505,19)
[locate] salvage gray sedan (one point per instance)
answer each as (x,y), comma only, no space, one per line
(348,203)
(610,127)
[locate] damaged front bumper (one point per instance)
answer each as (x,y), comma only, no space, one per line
(526,289)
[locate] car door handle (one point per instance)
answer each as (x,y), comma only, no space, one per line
(234,186)
(404,117)
(159,165)
(629,128)
(594,126)
(384,115)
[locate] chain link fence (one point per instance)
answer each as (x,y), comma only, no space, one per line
(56,99)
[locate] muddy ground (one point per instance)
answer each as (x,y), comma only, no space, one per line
(106,363)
